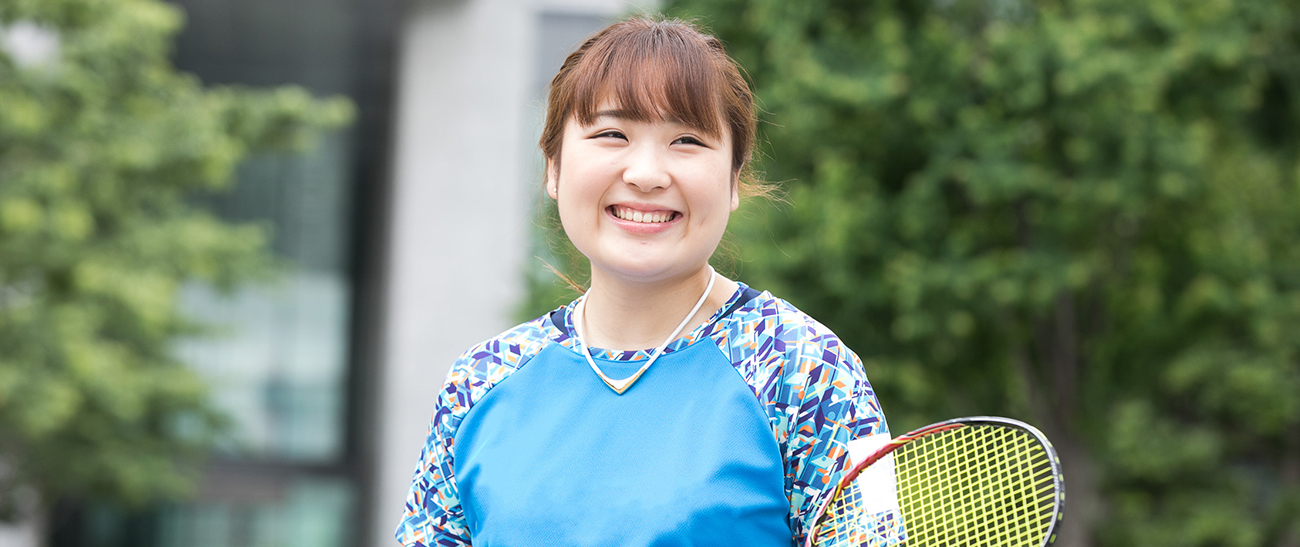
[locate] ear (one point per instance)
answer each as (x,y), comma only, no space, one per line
(735,191)
(552,180)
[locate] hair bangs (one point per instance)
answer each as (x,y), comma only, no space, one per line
(651,76)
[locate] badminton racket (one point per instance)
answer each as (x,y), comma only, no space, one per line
(968,482)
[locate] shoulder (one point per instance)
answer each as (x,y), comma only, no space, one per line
(770,336)
(487,363)
(782,321)
(504,352)
(797,365)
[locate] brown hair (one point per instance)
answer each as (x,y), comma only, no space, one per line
(654,70)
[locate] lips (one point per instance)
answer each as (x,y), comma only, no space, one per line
(655,216)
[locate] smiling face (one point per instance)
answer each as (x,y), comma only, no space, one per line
(644,201)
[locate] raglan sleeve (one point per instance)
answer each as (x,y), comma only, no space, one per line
(839,421)
(433,515)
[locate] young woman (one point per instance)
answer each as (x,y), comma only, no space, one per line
(733,428)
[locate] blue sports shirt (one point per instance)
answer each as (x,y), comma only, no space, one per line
(735,436)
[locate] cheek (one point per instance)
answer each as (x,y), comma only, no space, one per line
(577,203)
(716,194)
(584,182)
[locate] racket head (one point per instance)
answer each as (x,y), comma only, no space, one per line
(1005,473)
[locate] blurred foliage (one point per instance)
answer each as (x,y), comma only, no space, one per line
(101,147)
(1081,213)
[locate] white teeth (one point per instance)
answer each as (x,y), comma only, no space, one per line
(639,216)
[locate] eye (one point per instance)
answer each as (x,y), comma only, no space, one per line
(610,134)
(690,140)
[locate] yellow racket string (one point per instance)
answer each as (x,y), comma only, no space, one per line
(978,485)
(843,523)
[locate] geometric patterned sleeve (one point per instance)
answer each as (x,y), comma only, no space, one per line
(838,406)
(433,514)
(817,399)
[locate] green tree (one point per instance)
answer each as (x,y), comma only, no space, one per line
(103,146)
(1083,213)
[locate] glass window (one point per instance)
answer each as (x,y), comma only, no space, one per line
(277,360)
(304,513)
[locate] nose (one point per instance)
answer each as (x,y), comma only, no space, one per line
(646,169)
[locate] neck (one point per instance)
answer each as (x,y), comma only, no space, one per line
(624,315)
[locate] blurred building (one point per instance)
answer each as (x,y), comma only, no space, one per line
(405,236)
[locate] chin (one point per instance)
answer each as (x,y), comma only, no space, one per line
(646,268)
(640,272)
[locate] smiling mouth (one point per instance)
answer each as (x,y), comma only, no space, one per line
(632,215)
